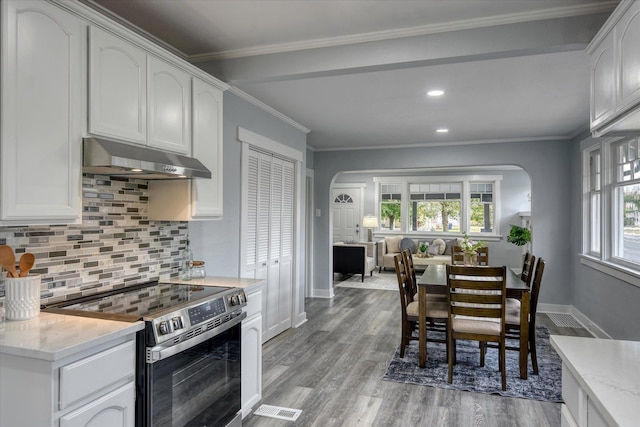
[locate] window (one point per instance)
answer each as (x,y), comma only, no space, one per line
(435,207)
(391,206)
(482,207)
(612,206)
(439,204)
(626,202)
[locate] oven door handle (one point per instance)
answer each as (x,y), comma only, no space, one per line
(157,353)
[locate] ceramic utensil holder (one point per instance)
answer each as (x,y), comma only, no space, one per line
(22,297)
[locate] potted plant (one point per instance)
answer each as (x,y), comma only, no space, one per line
(518,235)
(469,247)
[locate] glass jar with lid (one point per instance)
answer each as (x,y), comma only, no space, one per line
(197,270)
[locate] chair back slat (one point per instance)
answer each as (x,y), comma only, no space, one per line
(527,268)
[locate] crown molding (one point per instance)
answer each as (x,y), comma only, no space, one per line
(268,109)
(446,144)
(552,13)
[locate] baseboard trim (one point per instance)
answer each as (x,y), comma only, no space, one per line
(323,293)
(301,320)
(588,324)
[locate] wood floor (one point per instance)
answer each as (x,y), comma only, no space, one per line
(331,368)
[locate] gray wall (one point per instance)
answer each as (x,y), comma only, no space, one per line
(610,303)
(548,164)
(218,242)
(514,187)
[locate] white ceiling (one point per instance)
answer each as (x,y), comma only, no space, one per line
(355,73)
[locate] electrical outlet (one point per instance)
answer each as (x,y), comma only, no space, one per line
(317,212)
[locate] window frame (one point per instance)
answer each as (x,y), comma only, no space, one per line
(605,261)
(465,219)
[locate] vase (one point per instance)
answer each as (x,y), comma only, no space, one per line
(470,259)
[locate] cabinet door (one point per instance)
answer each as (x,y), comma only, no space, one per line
(207,147)
(603,82)
(628,38)
(117,88)
(115,409)
(169,107)
(42,73)
(251,363)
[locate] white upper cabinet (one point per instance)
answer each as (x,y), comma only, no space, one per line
(117,88)
(207,147)
(137,97)
(628,38)
(43,70)
(200,198)
(615,79)
(169,106)
(603,82)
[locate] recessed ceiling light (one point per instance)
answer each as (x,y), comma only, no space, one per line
(443,130)
(136,170)
(437,92)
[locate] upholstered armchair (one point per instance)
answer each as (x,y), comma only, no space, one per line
(354,258)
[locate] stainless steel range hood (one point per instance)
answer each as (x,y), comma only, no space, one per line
(105,157)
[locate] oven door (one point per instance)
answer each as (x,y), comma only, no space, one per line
(198,385)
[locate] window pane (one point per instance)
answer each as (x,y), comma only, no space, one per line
(481,213)
(594,232)
(443,215)
(628,227)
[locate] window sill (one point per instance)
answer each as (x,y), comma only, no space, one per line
(625,274)
(443,236)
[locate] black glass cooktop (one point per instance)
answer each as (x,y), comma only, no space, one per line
(139,300)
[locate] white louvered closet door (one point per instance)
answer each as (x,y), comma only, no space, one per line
(269,235)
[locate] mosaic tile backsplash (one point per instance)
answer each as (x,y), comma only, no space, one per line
(115,246)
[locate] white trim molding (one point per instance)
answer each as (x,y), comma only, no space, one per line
(277,114)
(264,143)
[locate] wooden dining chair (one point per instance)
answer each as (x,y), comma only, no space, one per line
(512,317)
(476,310)
(457,255)
(483,256)
(436,312)
(407,257)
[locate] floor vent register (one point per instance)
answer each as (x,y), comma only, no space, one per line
(564,320)
(278,412)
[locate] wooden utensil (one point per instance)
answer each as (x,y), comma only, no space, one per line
(26,262)
(8,260)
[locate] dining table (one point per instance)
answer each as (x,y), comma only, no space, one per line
(434,281)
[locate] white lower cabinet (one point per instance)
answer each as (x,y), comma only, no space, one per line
(113,409)
(94,388)
(251,361)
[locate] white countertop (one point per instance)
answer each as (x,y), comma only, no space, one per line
(52,336)
(228,282)
(609,371)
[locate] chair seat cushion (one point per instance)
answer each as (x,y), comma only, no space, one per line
(474,326)
(436,310)
(512,313)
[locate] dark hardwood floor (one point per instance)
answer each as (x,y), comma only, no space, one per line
(331,368)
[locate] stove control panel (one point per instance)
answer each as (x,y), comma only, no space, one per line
(183,320)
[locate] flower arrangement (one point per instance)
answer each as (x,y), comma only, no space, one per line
(470,247)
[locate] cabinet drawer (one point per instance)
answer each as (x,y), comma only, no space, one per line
(91,374)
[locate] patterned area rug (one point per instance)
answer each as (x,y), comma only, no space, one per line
(386,281)
(469,376)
